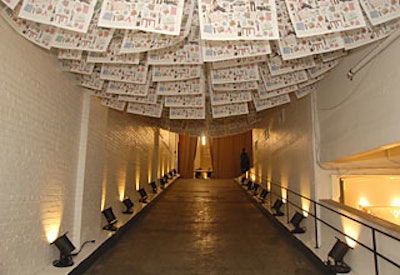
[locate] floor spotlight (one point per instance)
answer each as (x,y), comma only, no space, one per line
(256,186)
(128,204)
(263,194)
(111,219)
(296,220)
(249,185)
(165,177)
(143,195)
(65,247)
(277,207)
(162,182)
(153,187)
(336,254)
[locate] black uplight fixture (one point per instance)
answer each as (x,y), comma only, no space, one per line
(162,182)
(249,185)
(256,186)
(166,178)
(65,247)
(296,220)
(153,187)
(129,205)
(277,207)
(143,195)
(263,194)
(111,219)
(337,254)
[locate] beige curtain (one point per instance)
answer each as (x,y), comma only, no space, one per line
(186,154)
(225,152)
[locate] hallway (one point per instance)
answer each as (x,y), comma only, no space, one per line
(204,227)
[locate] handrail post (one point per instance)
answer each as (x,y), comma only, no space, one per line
(375,256)
(287,205)
(316,225)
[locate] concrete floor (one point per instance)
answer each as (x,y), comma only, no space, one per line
(204,227)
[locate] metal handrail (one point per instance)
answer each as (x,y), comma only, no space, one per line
(316,218)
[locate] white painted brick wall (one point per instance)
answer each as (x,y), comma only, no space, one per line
(129,157)
(95,155)
(39,120)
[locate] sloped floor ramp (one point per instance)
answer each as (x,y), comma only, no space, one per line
(204,227)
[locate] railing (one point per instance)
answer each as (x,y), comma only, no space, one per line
(315,206)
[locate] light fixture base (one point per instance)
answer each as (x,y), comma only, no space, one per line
(110,227)
(298,230)
(339,267)
(63,262)
(127,212)
(278,214)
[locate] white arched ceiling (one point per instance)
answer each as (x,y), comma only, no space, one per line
(211,65)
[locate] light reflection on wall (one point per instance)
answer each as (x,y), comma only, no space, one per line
(51,220)
(137,180)
(203,140)
(363,202)
(284,185)
(259,172)
(162,166)
(121,184)
(104,188)
(284,194)
(252,175)
(305,205)
(396,202)
(150,167)
(351,229)
(137,172)
(149,175)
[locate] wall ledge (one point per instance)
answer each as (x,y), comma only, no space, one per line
(372,220)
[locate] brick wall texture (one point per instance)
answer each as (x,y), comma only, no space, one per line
(40,140)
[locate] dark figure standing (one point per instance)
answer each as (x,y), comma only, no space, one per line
(244,161)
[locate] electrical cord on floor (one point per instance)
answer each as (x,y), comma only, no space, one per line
(85,243)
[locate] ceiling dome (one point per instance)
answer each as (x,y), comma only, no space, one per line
(190,66)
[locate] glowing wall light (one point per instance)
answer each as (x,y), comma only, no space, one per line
(149,175)
(253,177)
(121,191)
(203,140)
(121,183)
(51,213)
(51,220)
(137,178)
(305,205)
(363,202)
(396,208)
(396,202)
(51,228)
(103,188)
(351,229)
(284,194)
